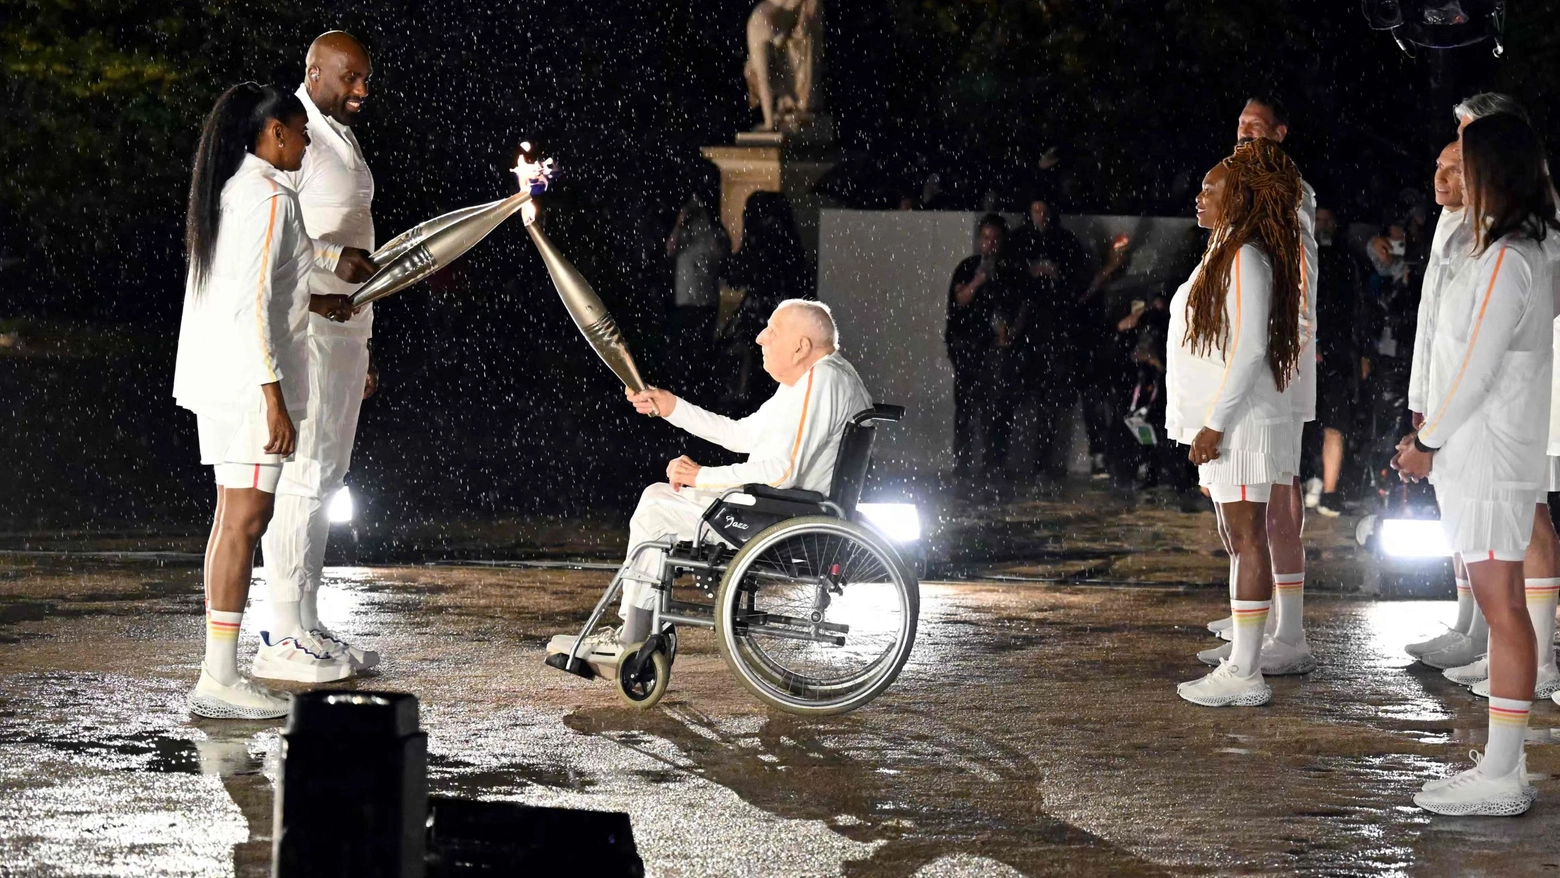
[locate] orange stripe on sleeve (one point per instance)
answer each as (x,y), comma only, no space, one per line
(265,260)
(796,444)
(1473,338)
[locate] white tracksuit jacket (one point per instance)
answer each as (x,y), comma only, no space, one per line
(1220,390)
(1488,384)
(1302,389)
(793,440)
(336,192)
(1451,249)
(247,326)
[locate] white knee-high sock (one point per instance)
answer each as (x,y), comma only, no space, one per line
(1246,636)
(309,608)
(222,645)
(1288,607)
(1465,606)
(1479,630)
(1508,727)
(284,621)
(1541,598)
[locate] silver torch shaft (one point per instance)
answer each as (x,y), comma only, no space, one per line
(420,232)
(429,246)
(589,314)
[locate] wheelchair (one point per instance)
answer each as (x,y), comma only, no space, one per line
(814,610)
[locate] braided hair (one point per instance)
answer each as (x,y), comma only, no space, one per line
(1259,206)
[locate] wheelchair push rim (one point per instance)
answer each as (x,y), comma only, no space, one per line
(816,615)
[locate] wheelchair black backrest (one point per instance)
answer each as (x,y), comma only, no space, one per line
(855,455)
(737,522)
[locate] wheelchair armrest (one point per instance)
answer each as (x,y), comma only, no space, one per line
(795,495)
(880,412)
(785,502)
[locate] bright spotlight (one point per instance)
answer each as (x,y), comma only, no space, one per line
(1413,538)
(898,521)
(341,510)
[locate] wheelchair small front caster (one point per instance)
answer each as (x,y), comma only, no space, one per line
(642,690)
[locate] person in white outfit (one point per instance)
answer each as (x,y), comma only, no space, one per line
(1235,345)
(336,191)
(1486,429)
(1461,651)
(242,363)
(792,441)
(1285,650)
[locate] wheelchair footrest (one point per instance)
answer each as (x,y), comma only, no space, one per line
(578,667)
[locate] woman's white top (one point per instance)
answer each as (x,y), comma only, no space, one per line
(1487,391)
(1221,388)
(247,325)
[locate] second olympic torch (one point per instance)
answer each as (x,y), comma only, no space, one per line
(589,314)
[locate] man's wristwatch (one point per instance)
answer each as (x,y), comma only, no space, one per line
(1423,447)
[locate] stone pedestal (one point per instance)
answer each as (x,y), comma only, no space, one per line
(776,163)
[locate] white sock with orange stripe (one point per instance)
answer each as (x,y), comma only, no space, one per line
(1465,606)
(1289,607)
(1541,599)
(222,645)
(1508,727)
(1246,635)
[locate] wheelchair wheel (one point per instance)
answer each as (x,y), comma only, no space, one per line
(644,690)
(816,615)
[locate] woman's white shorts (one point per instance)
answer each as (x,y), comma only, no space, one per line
(1480,529)
(1252,459)
(234,446)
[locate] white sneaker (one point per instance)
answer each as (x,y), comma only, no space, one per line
(1219,626)
(1472,794)
(1279,659)
(602,649)
(1548,685)
(302,659)
(244,699)
(360,659)
(1227,687)
(1313,492)
(1434,644)
(1463,650)
(1467,675)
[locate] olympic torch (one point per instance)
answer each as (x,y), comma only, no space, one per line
(598,327)
(424,249)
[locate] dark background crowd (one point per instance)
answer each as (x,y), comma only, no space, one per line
(489,404)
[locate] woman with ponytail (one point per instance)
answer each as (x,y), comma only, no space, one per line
(1234,348)
(1483,441)
(242,364)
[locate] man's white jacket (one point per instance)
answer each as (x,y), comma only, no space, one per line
(793,440)
(1451,249)
(336,191)
(246,326)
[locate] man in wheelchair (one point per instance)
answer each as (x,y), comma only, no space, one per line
(792,441)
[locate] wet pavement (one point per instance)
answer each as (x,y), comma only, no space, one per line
(1035,731)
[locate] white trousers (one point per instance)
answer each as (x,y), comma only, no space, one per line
(661,513)
(294,543)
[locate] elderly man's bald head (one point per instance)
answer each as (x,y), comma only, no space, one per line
(814,320)
(336,73)
(799,334)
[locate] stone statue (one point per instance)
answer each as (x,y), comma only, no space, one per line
(785,45)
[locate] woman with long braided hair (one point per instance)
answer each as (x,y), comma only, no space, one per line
(1235,344)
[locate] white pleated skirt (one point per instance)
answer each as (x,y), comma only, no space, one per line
(1255,454)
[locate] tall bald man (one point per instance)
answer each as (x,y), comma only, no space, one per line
(336,192)
(1285,650)
(792,441)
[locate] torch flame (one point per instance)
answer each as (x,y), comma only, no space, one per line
(535,177)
